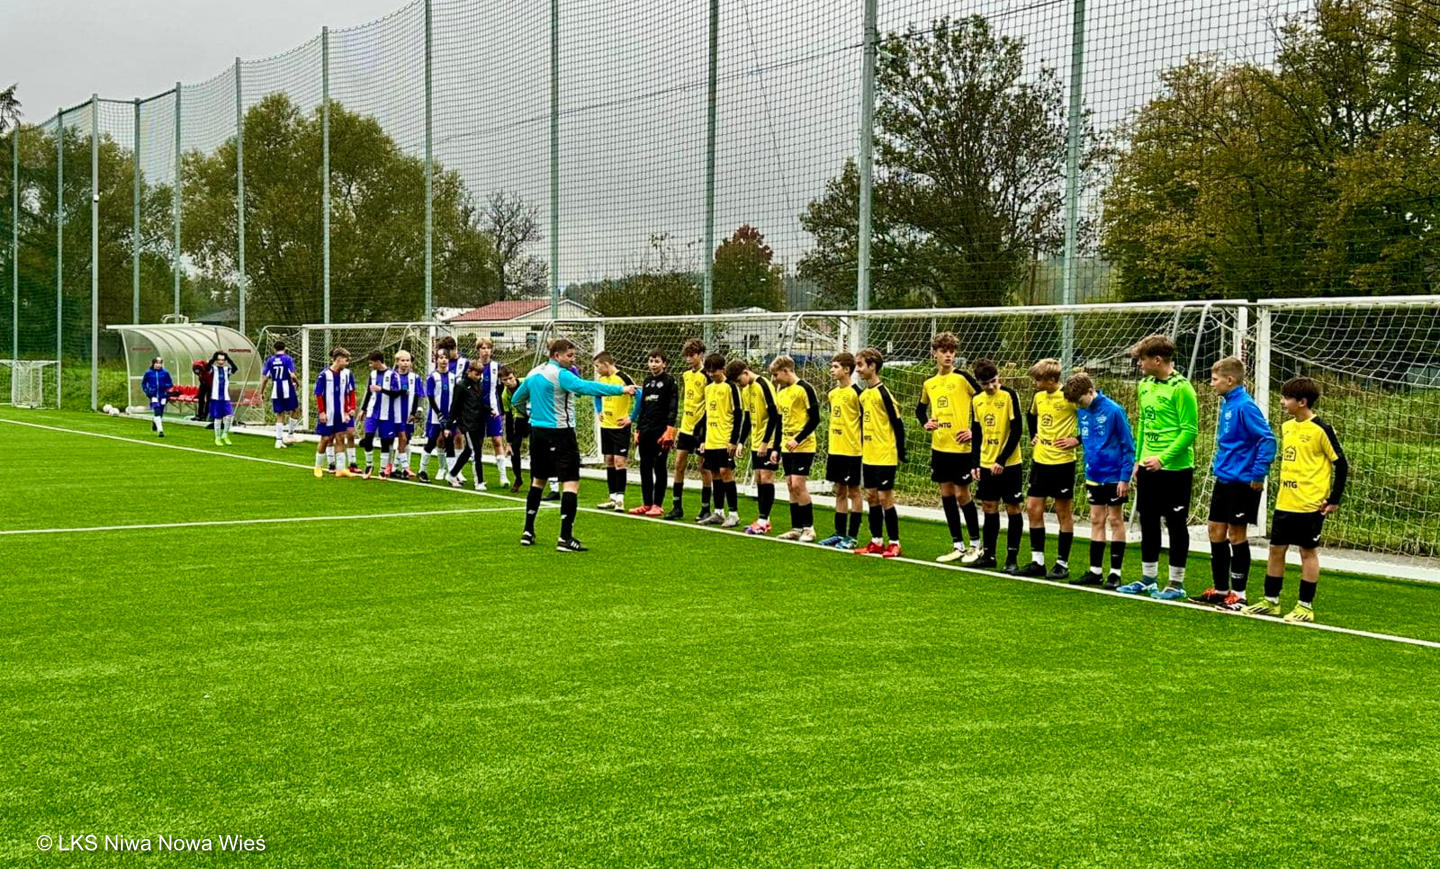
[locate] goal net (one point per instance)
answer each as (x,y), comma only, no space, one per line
(32,382)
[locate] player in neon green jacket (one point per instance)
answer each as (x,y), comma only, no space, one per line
(1165,466)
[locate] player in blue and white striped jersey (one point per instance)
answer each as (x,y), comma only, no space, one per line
(412,386)
(439,389)
(335,409)
(279,375)
(378,410)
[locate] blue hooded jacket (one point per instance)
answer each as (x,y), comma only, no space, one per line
(1108,442)
(1244,441)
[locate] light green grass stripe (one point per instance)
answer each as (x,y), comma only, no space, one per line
(270,521)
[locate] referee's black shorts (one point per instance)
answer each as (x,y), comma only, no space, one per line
(554,454)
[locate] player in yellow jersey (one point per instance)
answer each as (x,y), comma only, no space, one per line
(1053,430)
(944,410)
(997,410)
(842,465)
(882,449)
(800,417)
(692,429)
(757,395)
(724,417)
(1310,455)
(614,414)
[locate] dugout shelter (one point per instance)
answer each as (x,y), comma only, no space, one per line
(180,344)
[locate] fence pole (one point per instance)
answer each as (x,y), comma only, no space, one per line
(325,164)
(94,251)
(179,195)
(1262,389)
(135,221)
(713,81)
(554,159)
(866,167)
(15,252)
(59,251)
(240,192)
(429,177)
(1075,115)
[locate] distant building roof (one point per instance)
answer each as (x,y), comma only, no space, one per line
(511,309)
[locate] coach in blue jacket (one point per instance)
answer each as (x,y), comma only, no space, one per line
(1244,449)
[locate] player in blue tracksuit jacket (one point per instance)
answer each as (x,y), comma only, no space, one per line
(549,390)
(1109,448)
(156,385)
(1244,448)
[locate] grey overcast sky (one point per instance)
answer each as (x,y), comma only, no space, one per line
(61,51)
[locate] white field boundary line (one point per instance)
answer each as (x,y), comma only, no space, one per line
(267,521)
(1334,629)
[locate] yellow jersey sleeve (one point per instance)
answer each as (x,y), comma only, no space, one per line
(1055,420)
(845,439)
(614,408)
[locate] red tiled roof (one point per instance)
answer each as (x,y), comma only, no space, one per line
(498,311)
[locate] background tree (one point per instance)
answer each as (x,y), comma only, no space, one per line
(1317,176)
(9,109)
(377,229)
(513,229)
(662,284)
(745,274)
(969,174)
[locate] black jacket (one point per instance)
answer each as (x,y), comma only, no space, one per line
(469,406)
(659,403)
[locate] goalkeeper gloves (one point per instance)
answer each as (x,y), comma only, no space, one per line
(667,440)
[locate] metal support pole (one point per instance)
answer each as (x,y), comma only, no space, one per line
(135,221)
(554,159)
(179,195)
(1075,115)
(94,251)
(1262,388)
(325,165)
(866,169)
(15,247)
(429,177)
(305,376)
(241,287)
(709,290)
(59,252)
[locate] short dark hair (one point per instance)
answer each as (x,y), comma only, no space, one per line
(736,368)
(657,353)
(1155,345)
(714,362)
(377,356)
(560,345)
(505,373)
(339,351)
(1302,388)
(604,357)
(1076,387)
(476,366)
(692,347)
(279,346)
(985,370)
(845,360)
(872,357)
(446,343)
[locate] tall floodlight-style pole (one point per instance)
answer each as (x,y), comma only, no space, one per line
(1072,178)
(866,167)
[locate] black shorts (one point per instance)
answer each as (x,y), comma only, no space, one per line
(843,470)
(956,468)
(717,459)
(1164,492)
(1234,504)
(1104,494)
(1005,486)
(1296,529)
(879,477)
(797,464)
(689,443)
(615,441)
(760,461)
(1052,481)
(554,455)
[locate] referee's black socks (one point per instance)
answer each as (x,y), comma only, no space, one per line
(569,503)
(532,506)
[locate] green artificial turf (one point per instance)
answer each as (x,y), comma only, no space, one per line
(420,690)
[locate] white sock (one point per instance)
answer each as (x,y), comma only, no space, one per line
(1038,558)
(1149,569)
(1177,575)
(350,455)
(320,460)
(425,457)
(279,431)
(330,456)
(160,423)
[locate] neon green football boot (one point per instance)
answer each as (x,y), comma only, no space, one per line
(1301,613)
(1263,607)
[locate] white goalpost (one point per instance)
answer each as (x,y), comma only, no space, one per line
(33,383)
